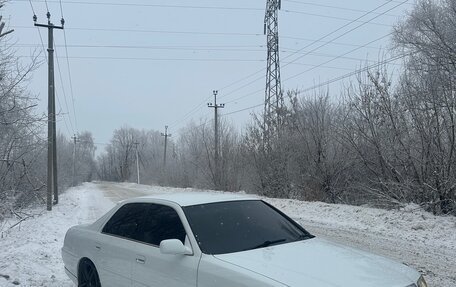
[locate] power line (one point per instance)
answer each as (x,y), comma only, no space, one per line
(179,121)
(285,51)
(245,96)
(334,17)
(164,59)
(322,45)
(308,70)
(47,7)
(338,56)
(45,56)
(316,41)
(241,110)
(309,45)
(332,7)
(158,47)
(58,65)
(354,28)
(204,7)
(326,83)
(31,5)
(191,47)
(52,186)
(335,58)
(333,80)
(203,33)
(68,68)
(70,80)
(63,88)
(131,30)
(61,8)
(63,115)
(153,5)
(39,32)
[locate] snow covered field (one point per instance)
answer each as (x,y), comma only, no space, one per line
(30,251)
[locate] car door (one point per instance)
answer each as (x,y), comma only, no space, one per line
(117,243)
(154,269)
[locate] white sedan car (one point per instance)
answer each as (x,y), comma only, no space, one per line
(216,240)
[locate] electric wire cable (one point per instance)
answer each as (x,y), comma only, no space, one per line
(335,58)
(326,83)
(332,7)
(69,70)
(45,56)
(47,7)
(309,45)
(322,38)
(39,32)
(63,88)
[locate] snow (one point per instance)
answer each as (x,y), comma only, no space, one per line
(30,251)
(410,235)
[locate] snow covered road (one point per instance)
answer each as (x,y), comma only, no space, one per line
(30,251)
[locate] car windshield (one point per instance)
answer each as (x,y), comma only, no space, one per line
(227,227)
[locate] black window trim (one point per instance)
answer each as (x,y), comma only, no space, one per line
(297,225)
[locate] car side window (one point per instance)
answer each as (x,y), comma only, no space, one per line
(161,223)
(127,220)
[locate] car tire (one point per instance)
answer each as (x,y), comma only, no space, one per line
(88,275)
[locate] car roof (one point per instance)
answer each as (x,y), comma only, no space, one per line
(193,198)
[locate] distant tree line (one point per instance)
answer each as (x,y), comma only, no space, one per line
(383,140)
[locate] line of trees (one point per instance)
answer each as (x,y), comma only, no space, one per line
(384,140)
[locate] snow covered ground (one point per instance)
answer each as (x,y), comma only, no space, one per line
(30,251)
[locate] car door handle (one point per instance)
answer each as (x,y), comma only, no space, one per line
(141,260)
(97,246)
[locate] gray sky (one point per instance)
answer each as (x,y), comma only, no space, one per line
(147,64)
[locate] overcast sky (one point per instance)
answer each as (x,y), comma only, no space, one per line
(147,64)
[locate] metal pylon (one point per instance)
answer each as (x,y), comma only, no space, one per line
(273,103)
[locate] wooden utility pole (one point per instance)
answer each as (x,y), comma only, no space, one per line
(137,161)
(52,143)
(75,140)
(216,139)
(166,135)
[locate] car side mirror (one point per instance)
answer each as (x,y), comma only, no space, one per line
(174,247)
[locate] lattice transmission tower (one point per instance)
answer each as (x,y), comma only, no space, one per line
(273,104)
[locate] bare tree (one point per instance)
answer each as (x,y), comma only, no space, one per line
(20,132)
(428,35)
(319,159)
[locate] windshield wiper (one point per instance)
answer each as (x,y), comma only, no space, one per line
(304,237)
(268,243)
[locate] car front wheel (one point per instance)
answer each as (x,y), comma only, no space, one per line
(88,276)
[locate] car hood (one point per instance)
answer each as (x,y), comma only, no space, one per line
(320,263)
